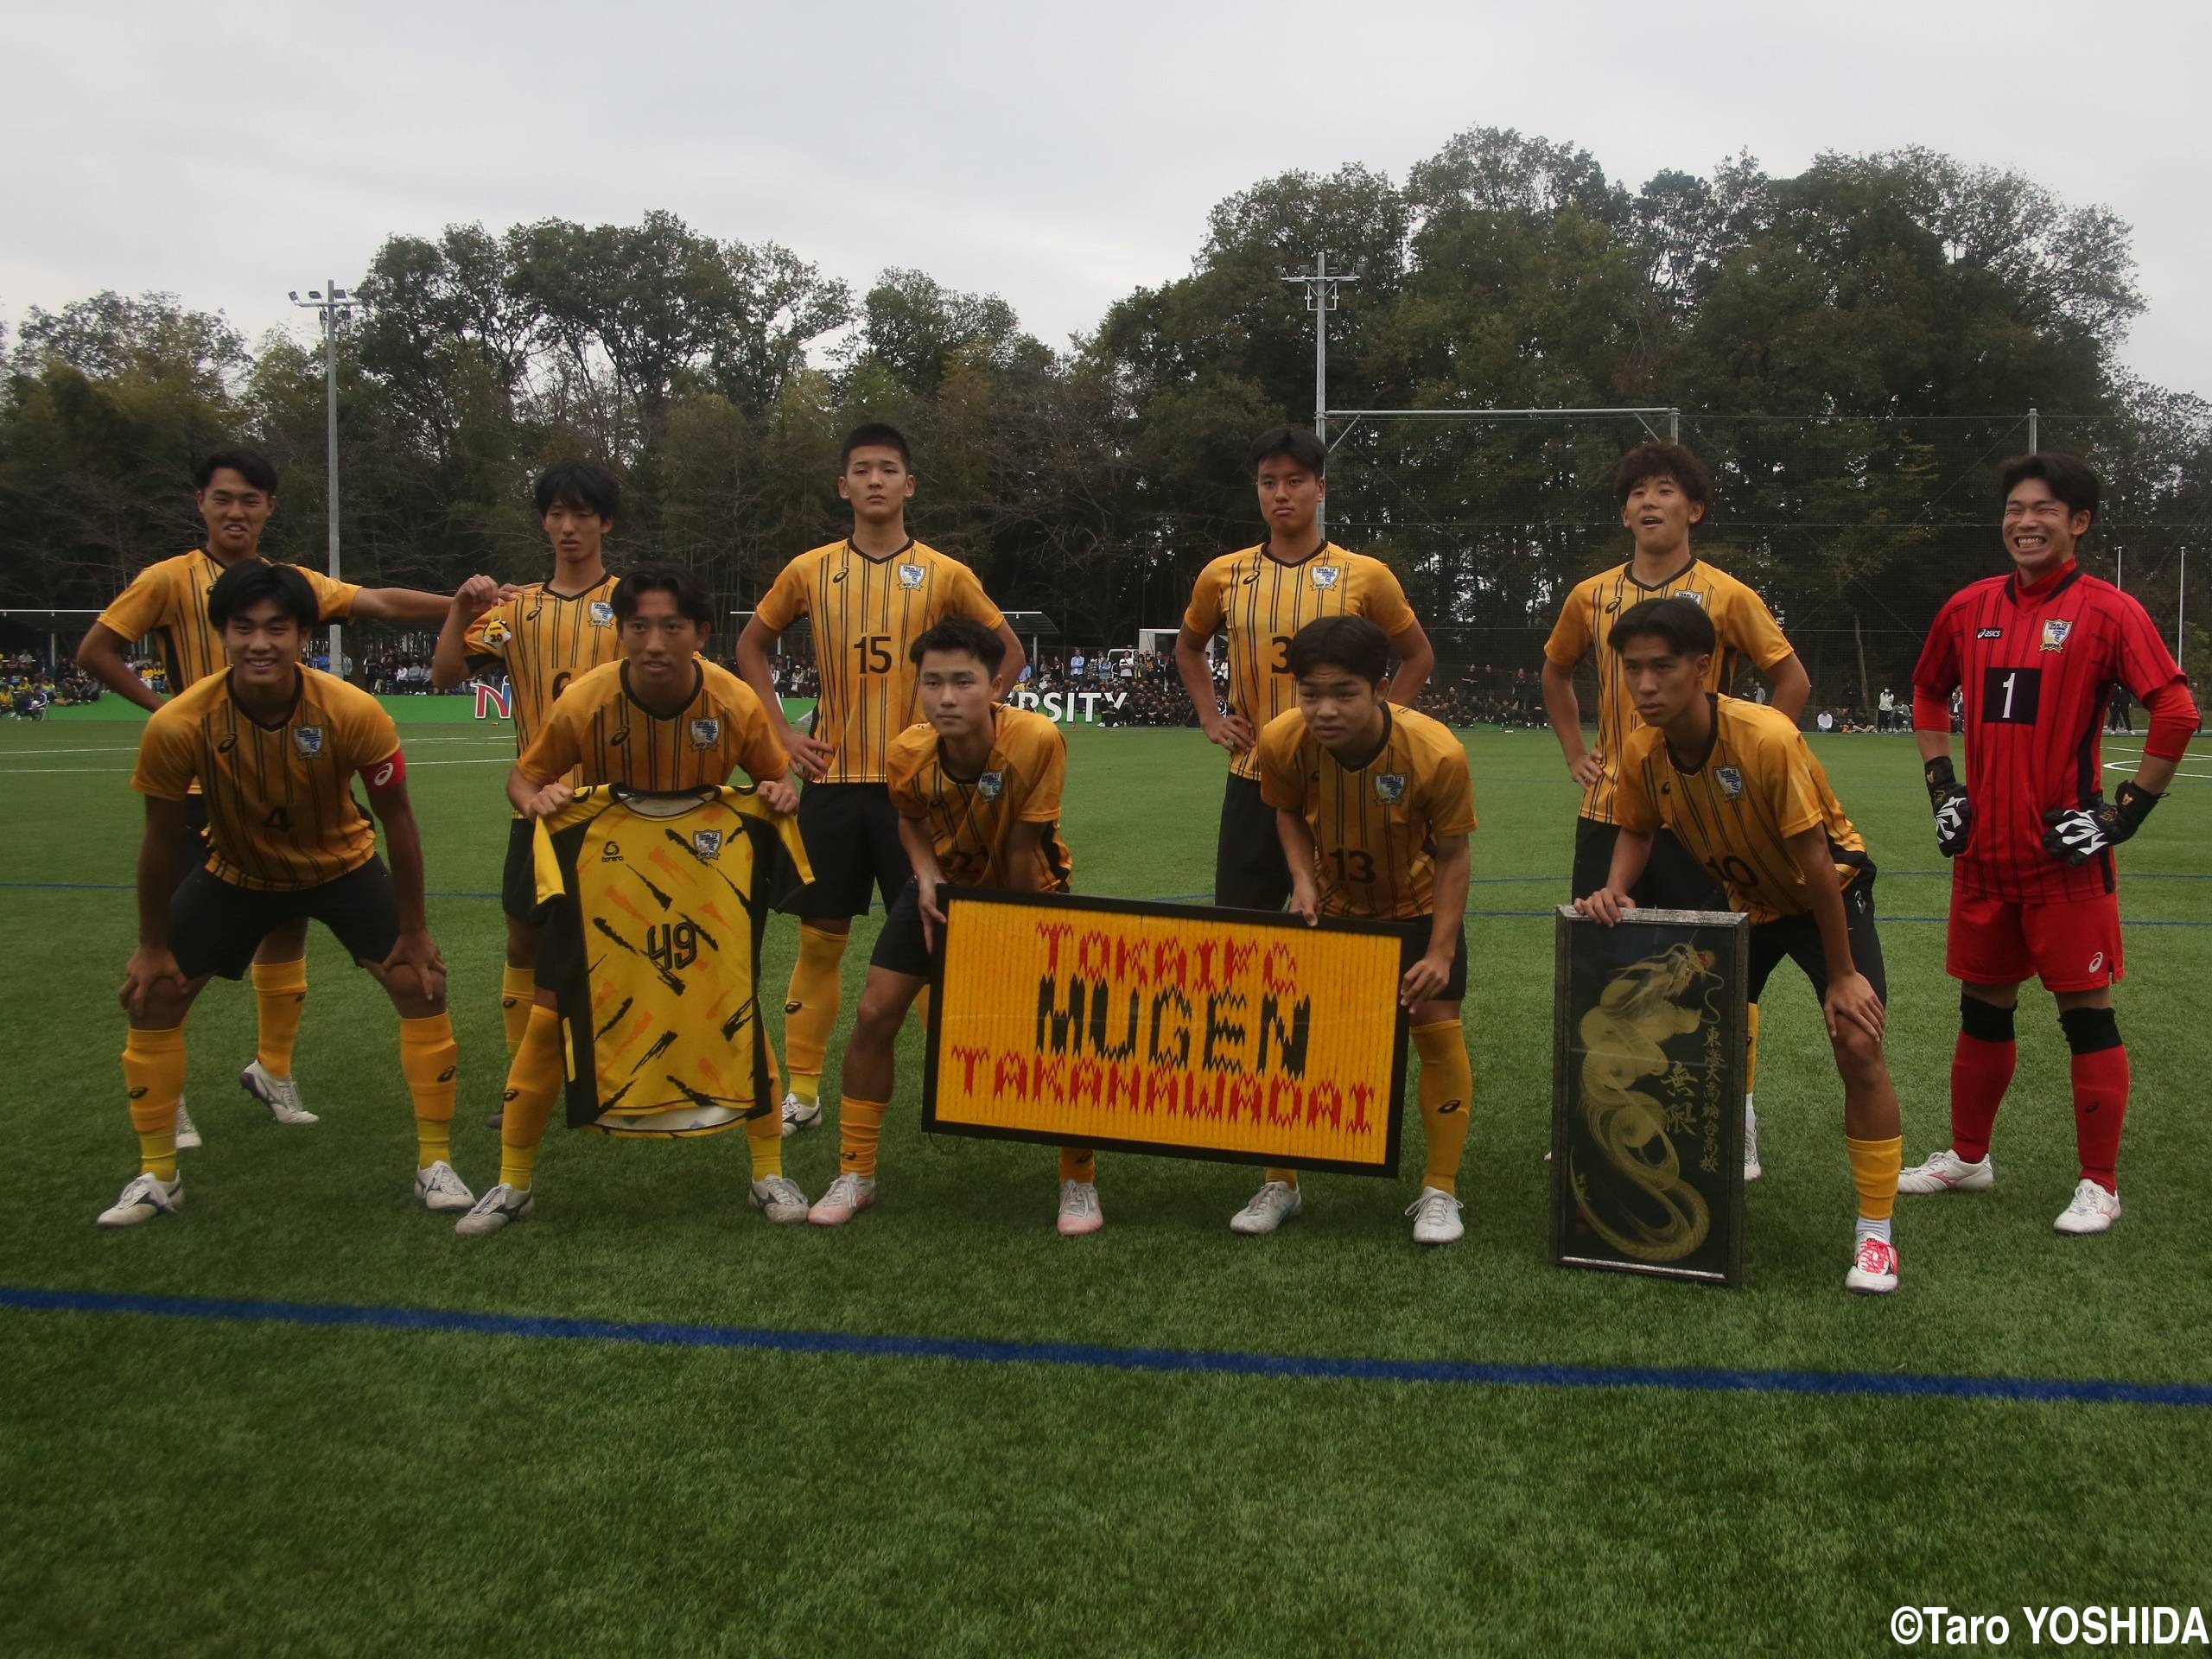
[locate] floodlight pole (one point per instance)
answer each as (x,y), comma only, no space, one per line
(327,303)
(1320,286)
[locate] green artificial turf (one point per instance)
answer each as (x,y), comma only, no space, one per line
(243,1486)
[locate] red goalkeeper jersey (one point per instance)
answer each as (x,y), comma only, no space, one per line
(2038,666)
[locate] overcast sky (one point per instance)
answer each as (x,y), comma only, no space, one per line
(1057,155)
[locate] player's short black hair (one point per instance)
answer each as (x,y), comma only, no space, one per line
(249,582)
(693,602)
(1656,460)
(875,434)
(249,464)
(578,484)
(2072,480)
(962,634)
(1351,643)
(1293,443)
(1681,623)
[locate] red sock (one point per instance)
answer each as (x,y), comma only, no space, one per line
(1980,1073)
(2100,1108)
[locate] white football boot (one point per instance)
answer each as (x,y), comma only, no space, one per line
(1948,1172)
(502,1204)
(1873,1268)
(1275,1202)
(778,1198)
(2093,1210)
(798,1115)
(439,1189)
(280,1095)
(1436,1218)
(848,1196)
(145,1198)
(1752,1168)
(1080,1211)
(187,1132)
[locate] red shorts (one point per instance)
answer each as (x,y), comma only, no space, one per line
(2072,945)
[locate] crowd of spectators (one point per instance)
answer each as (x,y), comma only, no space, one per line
(1482,694)
(28,688)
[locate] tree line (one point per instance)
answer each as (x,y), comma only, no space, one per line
(1853,349)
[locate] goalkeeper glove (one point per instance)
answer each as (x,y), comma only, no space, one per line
(1954,816)
(2079,833)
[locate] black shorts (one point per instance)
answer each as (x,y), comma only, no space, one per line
(899,948)
(1798,938)
(519,875)
(851,832)
(190,852)
(215,928)
(1250,872)
(1416,947)
(1671,880)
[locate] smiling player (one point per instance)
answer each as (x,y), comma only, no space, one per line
(1664,491)
(275,747)
(235,491)
(2034,892)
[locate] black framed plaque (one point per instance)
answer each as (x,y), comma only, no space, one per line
(1648,1034)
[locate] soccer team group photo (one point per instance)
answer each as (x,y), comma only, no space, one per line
(665,813)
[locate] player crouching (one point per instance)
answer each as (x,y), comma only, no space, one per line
(1374,808)
(978,789)
(274,748)
(1737,786)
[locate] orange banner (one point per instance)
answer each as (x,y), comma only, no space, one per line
(1168,1028)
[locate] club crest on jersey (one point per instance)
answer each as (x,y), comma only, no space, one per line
(991,785)
(308,739)
(1325,575)
(496,633)
(705,733)
(602,614)
(911,576)
(2055,630)
(707,843)
(1390,787)
(1731,783)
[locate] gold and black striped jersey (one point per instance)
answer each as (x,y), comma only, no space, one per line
(970,820)
(866,613)
(1746,629)
(1757,785)
(545,639)
(1260,602)
(280,812)
(598,732)
(167,602)
(1375,827)
(654,907)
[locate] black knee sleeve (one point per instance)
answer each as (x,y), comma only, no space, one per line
(2089,1031)
(1985,1021)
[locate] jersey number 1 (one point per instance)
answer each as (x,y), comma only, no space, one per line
(2010,695)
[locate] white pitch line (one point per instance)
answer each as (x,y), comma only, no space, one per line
(124,772)
(2122,766)
(412,743)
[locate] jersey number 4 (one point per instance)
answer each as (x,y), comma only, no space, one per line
(2010,695)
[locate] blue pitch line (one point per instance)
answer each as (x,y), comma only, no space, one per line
(1093,1355)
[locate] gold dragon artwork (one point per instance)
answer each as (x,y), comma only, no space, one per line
(1624,1040)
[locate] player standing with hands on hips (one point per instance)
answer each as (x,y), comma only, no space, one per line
(2033,891)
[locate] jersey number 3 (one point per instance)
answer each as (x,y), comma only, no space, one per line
(2010,695)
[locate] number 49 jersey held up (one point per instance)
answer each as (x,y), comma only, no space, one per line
(654,907)
(2037,666)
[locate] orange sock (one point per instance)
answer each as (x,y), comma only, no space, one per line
(1078,1164)
(280,995)
(517,989)
(534,1081)
(810,1006)
(153,1078)
(429,1058)
(1447,1088)
(1288,1176)
(859,1125)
